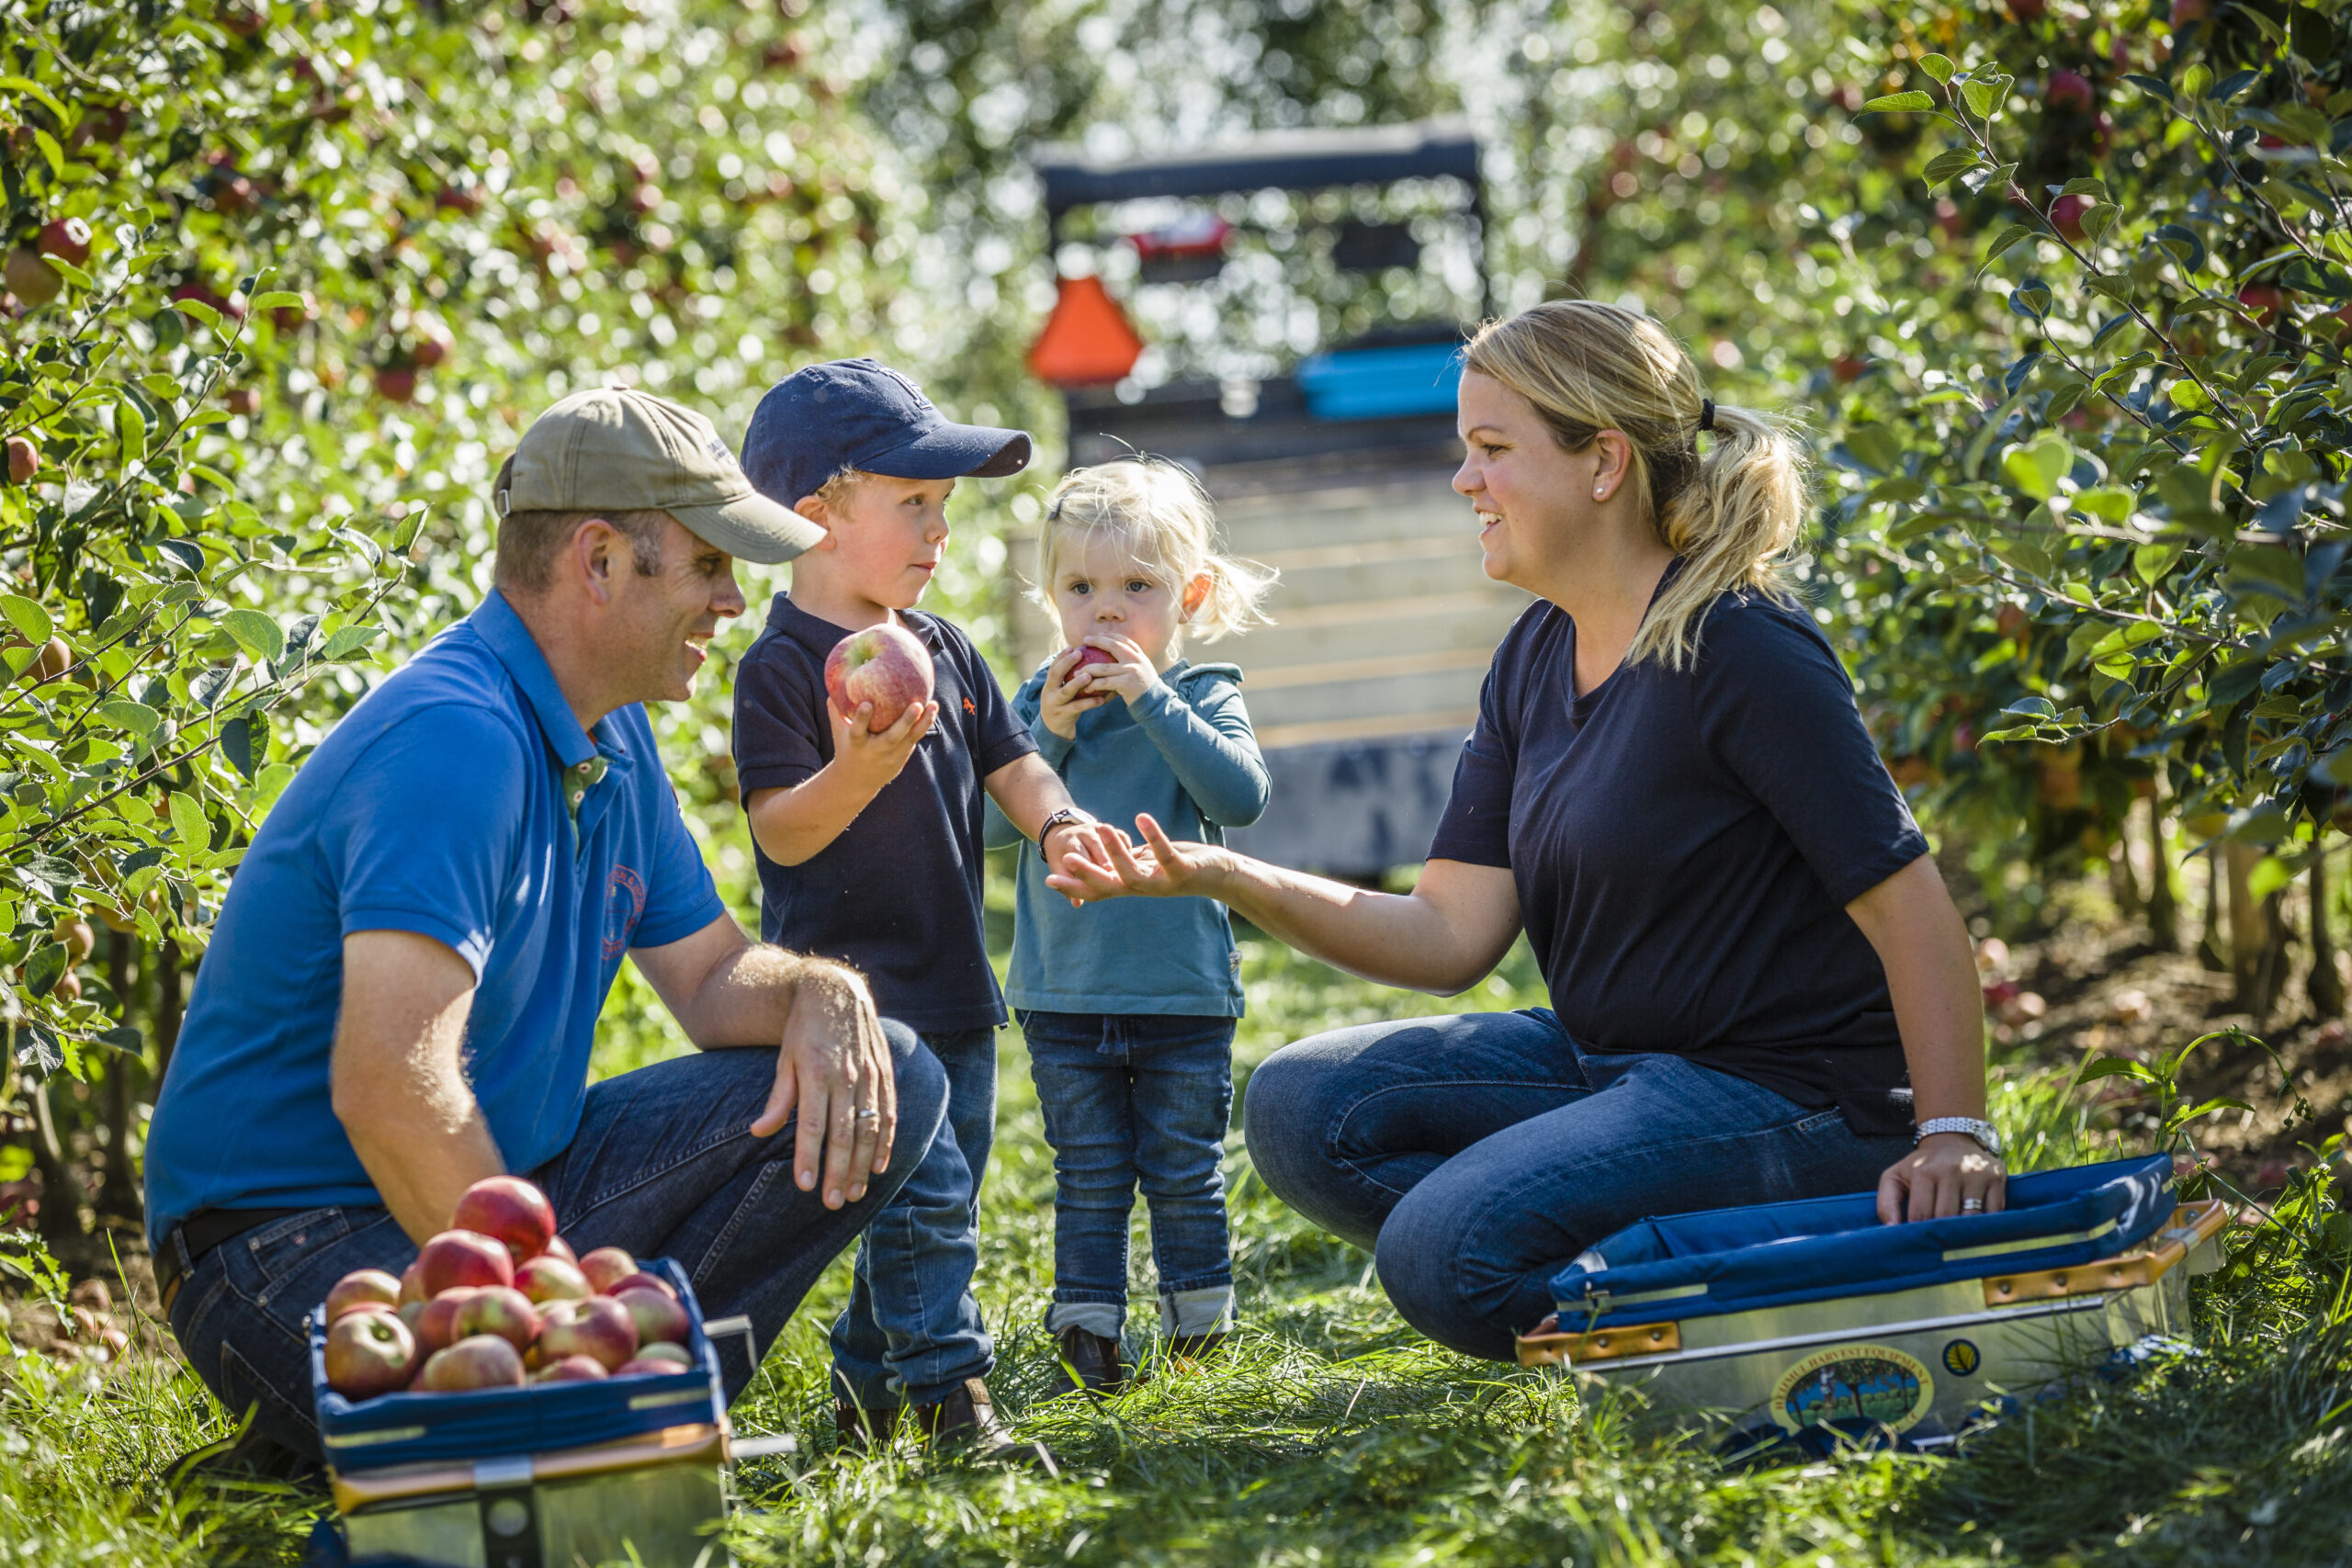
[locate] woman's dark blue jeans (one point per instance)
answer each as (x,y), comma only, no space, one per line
(664,1163)
(1131,1101)
(1477,1155)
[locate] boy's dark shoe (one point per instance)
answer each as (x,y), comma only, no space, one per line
(866,1427)
(967,1419)
(1187,1349)
(1090,1361)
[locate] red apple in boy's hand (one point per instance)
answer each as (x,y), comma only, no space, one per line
(606,1267)
(502,1310)
(884,665)
(464,1258)
(368,1353)
(599,1328)
(359,1288)
(483,1361)
(507,1209)
(547,1278)
(659,1318)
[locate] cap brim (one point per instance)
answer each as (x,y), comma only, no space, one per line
(954,451)
(750,527)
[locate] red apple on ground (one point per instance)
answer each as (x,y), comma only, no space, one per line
(502,1310)
(24,460)
(483,1361)
(368,1353)
(2071,90)
(510,1210)
(884,665)
(599,1328)
(641,1280)
(659,1317)
(368,1286)
(67,239)
(464,1258)
(573,1369)
(606,1267)
(550,1278)
(436,1325)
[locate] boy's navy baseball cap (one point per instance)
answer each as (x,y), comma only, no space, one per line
(857,413)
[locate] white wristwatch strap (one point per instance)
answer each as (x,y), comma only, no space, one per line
(1984,1133)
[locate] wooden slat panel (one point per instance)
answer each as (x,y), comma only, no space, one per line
(1454,722)
(1349,697)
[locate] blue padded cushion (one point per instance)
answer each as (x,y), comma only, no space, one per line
(1725,1261)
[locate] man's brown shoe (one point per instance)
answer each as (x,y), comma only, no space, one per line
(864,1426)
(1090,1361)
(1186,1351)
(967,1419)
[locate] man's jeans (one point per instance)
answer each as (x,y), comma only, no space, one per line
(911,1332)
(664,1165)
(1129,1101)
(1478,1155)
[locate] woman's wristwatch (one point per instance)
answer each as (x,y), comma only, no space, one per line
(1062,816)
(1983,1133)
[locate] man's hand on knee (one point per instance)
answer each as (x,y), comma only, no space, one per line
(834,1069)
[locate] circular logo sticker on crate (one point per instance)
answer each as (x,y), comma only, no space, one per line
(1872,1385)
(1960,1357)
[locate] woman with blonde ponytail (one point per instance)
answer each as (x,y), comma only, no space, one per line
(1761,990)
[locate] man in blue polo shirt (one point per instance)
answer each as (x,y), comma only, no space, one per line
(401,994)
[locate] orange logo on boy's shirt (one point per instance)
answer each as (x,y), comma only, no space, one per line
(968,707)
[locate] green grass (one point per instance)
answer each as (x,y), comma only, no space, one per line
(1330,1434)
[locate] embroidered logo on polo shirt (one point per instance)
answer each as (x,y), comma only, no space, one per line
(624,906)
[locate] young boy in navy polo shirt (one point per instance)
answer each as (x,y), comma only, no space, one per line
(868,846)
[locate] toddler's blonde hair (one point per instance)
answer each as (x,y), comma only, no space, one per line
(1155,511)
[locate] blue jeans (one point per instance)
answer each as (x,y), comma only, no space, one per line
(1129,1101)
(1477,1155)
(911,1331)
(664,1165)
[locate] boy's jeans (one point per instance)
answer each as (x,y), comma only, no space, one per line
(1128,1102)
(911,1332)
(664,1163)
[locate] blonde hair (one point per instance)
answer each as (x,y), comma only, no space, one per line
(1735,513)
(1155,511)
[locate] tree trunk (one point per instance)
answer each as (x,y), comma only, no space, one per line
(2209,945)
(61,1195)
(2122,882)
(2323,985)
(167,1005)
(2249,926)
(2164,909)
(118,1191)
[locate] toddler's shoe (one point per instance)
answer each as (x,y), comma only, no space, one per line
(1090,1361)
(967,1419)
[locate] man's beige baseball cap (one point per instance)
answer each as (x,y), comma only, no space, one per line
(630,451)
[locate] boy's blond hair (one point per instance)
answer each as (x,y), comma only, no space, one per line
(1159,513)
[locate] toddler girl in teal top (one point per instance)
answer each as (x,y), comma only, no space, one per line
(1128,1006)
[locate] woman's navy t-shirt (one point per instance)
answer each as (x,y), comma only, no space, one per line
(1684,846)
(897,894)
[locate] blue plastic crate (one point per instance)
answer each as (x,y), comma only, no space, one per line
(1733,1260)
(412,1428)
(1382,383)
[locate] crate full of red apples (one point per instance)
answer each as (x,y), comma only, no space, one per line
(498,1341)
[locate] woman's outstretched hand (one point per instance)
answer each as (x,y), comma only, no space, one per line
(1933,1181)
(1161,869)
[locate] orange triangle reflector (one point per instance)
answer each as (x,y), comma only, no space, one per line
(1086,339)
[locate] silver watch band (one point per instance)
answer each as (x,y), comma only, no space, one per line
(1984,1133)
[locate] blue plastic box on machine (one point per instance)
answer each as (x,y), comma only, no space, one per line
(619,1469)
(1807,1318)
